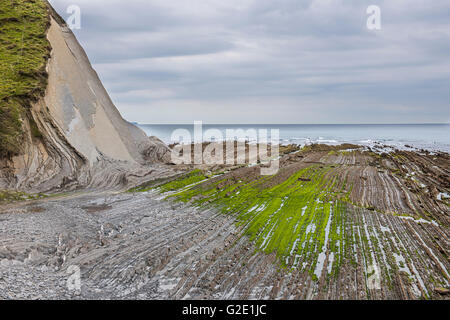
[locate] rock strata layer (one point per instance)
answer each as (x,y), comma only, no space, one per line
(81,131)
(311,242)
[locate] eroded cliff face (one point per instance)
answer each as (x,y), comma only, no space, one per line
(81,133)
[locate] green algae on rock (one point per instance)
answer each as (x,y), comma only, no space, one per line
(330,211)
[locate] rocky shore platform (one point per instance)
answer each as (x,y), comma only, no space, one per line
(335,222)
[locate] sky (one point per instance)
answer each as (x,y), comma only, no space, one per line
(270,61)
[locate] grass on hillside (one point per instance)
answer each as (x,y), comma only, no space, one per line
(12,196)
(24,51)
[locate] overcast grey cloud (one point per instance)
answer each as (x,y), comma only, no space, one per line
(270,61)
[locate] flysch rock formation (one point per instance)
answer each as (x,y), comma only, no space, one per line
(152,245)
(85,141)
(335,222)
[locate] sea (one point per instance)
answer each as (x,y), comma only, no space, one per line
(431,137)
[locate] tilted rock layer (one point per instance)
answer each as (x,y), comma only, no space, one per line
(81,131)
(333,223)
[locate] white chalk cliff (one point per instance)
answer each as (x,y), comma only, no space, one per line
(85,140)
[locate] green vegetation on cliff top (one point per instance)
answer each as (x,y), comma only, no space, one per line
(24,51)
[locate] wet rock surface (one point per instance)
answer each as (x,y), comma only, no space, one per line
(388,240)
(142,247)
(135,246)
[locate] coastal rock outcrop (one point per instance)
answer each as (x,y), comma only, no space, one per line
(80,131)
